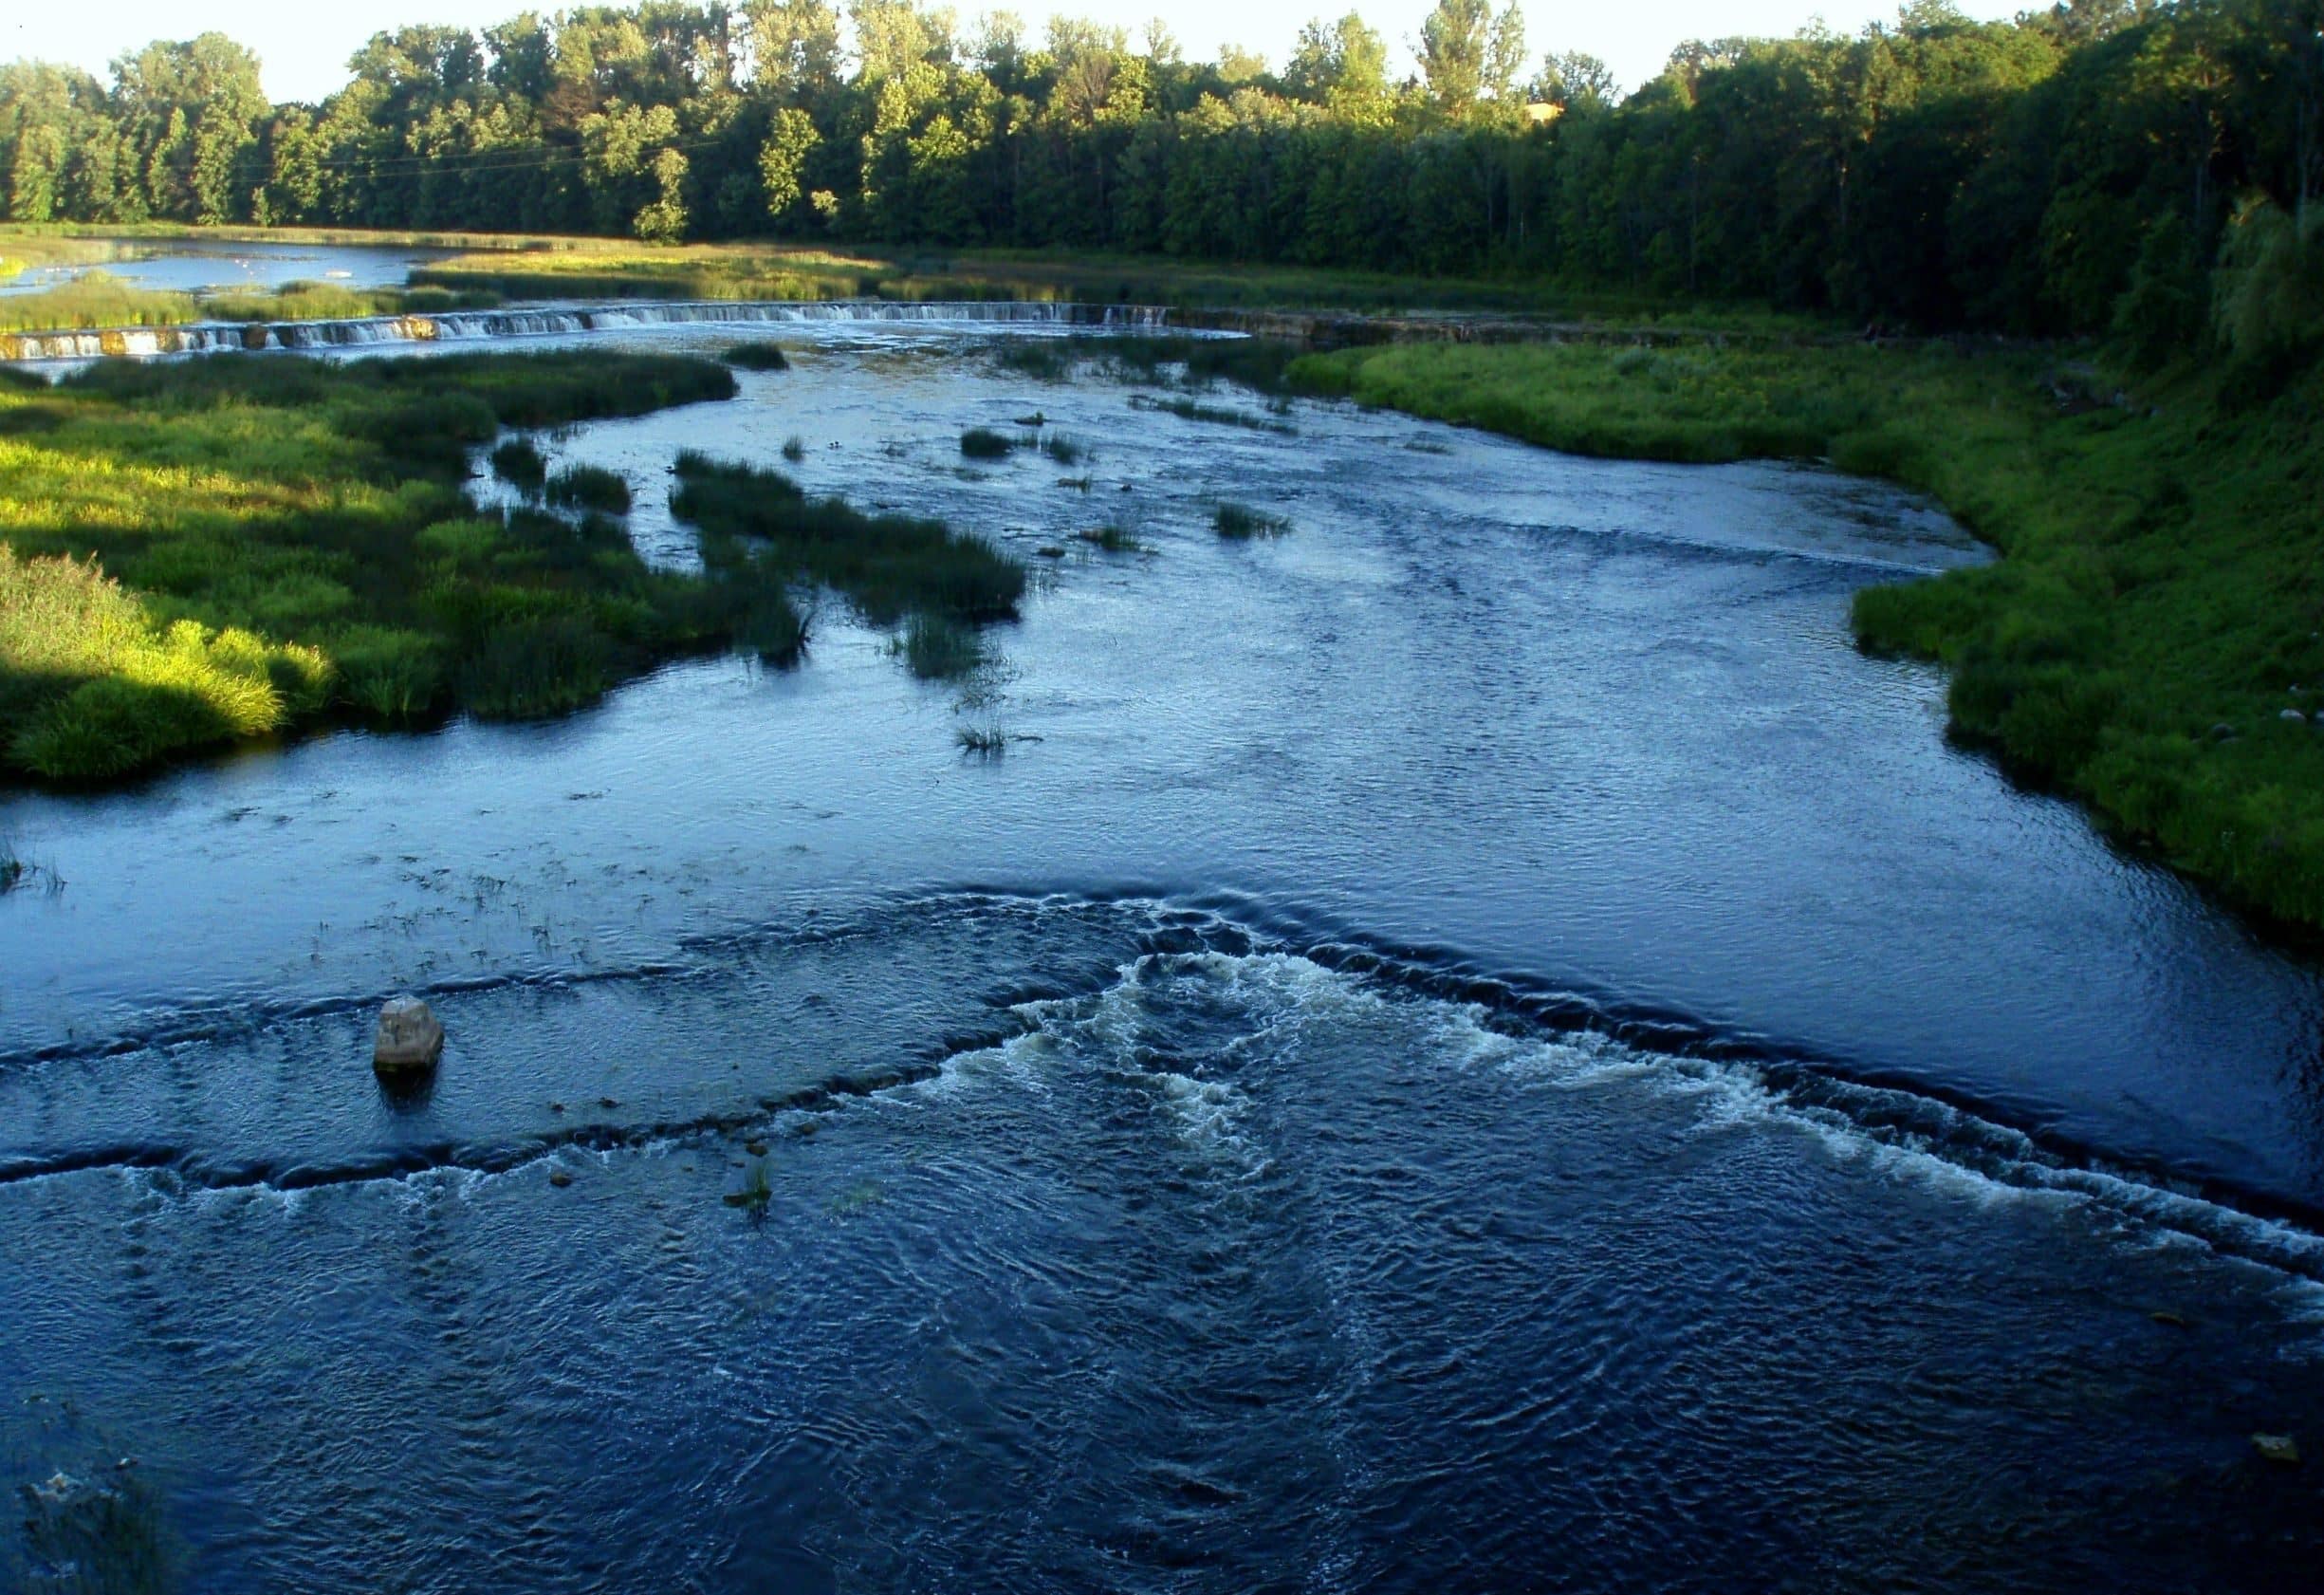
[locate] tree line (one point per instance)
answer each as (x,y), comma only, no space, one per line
(2087,168)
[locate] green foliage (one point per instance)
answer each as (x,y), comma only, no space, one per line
(889,567)
(757,357)
(1241,520)
(518,462)
(590,487)
(278,539)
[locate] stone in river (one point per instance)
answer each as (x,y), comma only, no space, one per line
(410,1039)
(2280,1448)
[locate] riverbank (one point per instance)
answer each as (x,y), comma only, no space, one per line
(197,552)
(2148,643)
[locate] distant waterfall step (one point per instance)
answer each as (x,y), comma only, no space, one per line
(474,325)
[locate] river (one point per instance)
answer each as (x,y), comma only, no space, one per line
(1476,1043)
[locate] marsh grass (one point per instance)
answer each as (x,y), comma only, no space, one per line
(756,1191)
(889,567)
(794,449)
(518,462)
(590,487)
(757,357)
(1188,408)
(989,742)
(938,649)
(1064,447)
(1241,520)
(2157,578)
(1113,540)
(278,540)
(982,442)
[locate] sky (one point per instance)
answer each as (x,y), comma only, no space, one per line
(305,52)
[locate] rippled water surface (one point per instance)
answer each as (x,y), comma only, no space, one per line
(194,266)
(1476,1041)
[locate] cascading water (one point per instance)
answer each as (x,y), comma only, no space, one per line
(549,321)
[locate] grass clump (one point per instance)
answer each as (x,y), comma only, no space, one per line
(278,540)
(1188,408)
(794,449)
(889,567)
(989,742)
(518,462)
(1241,520)
(590,487)
(1112,539)
(2158,578)
(982,442)
(938,649)
(757,357)
(1064,447)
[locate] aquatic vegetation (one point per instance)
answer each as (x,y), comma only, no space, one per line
(756,1191)
(889,567)
(936,649)
(985,741)
(757,357)
(518,462)
(1064,447)
(1188,408)
(1113,540)
(99,298)
(794,448)
(980,442)
(1078,483)
(590,487)
(1241,520)
(276,540)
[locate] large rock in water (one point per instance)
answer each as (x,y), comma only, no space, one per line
(410,1039)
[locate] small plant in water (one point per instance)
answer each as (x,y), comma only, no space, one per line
(936,649)
(989,742)
(794,448)
(590,487)
(519,464)
(757,357)
(758,1189)
(1112,539)
(1241,520)
(1080,484)
(982,442)
(1064,447)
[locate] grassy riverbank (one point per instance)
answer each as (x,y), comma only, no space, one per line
(199,551)
(99,298)
(2161,599)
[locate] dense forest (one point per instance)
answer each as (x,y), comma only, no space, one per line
(2077,170)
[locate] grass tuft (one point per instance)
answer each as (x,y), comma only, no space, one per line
(757,357)
(982,442)
(590,487)
(1241,520)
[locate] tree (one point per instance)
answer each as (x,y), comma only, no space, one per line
(1468,54)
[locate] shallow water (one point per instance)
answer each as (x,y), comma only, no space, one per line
(1477,1041)
(196,266)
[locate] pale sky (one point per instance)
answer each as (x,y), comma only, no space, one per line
(305,52)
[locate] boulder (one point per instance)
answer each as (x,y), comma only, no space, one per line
(2280,1448)
(2292,714)
(410,1039)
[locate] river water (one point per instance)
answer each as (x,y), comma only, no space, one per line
(1475,1043)
(198,266)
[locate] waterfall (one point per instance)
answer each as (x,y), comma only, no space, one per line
(471,325)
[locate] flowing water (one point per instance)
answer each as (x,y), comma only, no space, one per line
(198,266)
(1474,1044)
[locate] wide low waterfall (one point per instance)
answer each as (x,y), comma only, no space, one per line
(462,325)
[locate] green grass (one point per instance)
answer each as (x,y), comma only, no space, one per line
(1064,447)
(757,357)
(590,487)
(938,649)
(1112,539)
(1241,520)
(518,462)
(197,552)
(1190,410)
(2163,569)
(889,567)
(982,442)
